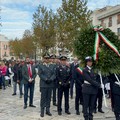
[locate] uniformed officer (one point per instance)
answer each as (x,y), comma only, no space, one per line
(73,66)
(116,94)
(78,77)
(47,75)
(63,77)
(99,98)
(53,63)
(89,89)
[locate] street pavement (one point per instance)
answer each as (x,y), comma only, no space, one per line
(11,108)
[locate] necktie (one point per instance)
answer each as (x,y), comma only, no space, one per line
(29,71)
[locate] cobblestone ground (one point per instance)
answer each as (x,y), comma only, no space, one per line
(11,108)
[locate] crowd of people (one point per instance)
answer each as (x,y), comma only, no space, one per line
(57,78)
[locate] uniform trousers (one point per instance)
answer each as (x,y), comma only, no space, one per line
(45,98)
(61,90)
(88,105)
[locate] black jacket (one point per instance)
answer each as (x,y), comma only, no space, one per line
(92,87)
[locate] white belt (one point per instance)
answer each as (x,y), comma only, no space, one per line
(86,82)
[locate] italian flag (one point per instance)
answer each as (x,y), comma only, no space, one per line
(80,70)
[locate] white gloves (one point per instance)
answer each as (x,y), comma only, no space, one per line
(102,86)
(118,83)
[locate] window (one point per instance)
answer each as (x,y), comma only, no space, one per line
(110,22)
(118,30)
(102,23)
(118,19)
(5,47)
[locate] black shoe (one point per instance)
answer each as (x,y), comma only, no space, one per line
(20,96)
(13,94)
(25,106)
(48,113)
(42,115)
(71,97)
(32,106)
(95,111)
(54,104)
(101,111)
(77,112)
(67,112)
(59,113)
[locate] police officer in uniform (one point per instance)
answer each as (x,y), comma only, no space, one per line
(116,94)
(47,75)
(63,77)
(89,89)
(53,63)
(78,77)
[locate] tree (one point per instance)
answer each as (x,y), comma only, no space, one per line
(44,27)
(16,46)
(28,44)
(72,17)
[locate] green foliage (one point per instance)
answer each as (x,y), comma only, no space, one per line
(72,16)
(108,61)
(44,27)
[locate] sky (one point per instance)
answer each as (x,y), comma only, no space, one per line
(17,15)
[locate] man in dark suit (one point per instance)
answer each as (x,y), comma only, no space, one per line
(47,76)
(99,98)
(115,83)
(63,77)
(78,77)
(28,76)
(89,90)
(73,66)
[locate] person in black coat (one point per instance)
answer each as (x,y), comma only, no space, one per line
(73,66)
(63,77)
(78,77)
(99,98)
(115,94)
(89,89)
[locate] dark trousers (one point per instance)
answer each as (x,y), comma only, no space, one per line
(45,98)
(71,87)
(62,90)
(117,106)
(3,81)
(99,99)
(29,86)
(54,94)
(88,105)
(78,98)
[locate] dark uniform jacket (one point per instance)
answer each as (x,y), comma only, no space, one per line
(92,86)
(78,77)
(115,88)
(73,67)
(25,74)
(63,75)
(46,74)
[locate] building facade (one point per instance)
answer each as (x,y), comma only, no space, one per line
(4,48)
(108,17)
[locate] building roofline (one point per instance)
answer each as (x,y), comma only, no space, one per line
(109,12)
